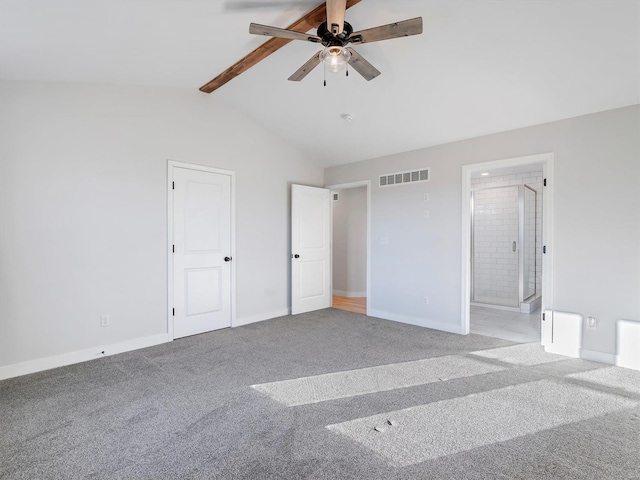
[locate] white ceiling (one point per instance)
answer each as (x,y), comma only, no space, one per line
(534,167)
(480,67)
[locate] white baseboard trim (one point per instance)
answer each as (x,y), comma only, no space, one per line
(55,361)
(420,322)
(595,356)
(239,322)
(343,293)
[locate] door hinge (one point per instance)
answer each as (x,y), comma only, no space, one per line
(174,312)
(543,317)
(174,248)
(173,185)
(544,249)
(545,182)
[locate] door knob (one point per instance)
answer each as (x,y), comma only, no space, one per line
(227,259)
(296,256)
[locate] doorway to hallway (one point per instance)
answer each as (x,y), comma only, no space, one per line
(350,304)
(350,250)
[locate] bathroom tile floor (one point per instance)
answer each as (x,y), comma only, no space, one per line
(514,326)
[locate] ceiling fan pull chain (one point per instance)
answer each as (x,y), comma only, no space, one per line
(325,73)
(347,70)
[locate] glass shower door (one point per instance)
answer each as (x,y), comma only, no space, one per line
(528,243)
(494,246)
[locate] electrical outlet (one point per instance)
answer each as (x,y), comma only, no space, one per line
(105,321)
(425,300)
(426,213)
(384,240)
(592,322)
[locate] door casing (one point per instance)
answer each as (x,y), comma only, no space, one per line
(547,160)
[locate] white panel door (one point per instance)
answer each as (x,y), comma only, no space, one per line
(311,249)
(202,251)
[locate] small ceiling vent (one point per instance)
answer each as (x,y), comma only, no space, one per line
(402,178)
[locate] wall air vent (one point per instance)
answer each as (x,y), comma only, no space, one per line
(336,196)
(401,178)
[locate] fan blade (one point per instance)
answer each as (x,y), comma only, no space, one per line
(360,65)
(313,19)
(386,32)
(335,15)
(257,29)
(304,70)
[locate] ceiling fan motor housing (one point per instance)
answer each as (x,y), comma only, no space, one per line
(340,40)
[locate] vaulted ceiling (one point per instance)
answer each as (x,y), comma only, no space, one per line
(480,67)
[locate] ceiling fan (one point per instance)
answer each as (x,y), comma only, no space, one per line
(333,33)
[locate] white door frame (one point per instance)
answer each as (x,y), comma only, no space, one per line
(345,186)
(171,164)
(547,161)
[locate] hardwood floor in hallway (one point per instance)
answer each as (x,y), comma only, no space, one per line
(350,304)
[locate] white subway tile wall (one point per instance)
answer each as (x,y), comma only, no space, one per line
(496,228)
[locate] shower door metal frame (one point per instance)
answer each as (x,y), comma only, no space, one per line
(520,241)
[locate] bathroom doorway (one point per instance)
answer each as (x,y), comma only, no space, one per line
(505,240)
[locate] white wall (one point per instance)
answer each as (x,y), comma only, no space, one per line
(596,222)
(350,243)
(83,207)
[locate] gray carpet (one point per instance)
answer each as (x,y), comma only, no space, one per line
(187,409)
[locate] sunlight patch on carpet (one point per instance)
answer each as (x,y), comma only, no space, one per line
(614,377)
(332,386)
(417,434)
(525,354)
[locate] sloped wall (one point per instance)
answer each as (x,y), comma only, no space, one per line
(83,210)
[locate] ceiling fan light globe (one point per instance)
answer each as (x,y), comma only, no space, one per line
(335,58)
